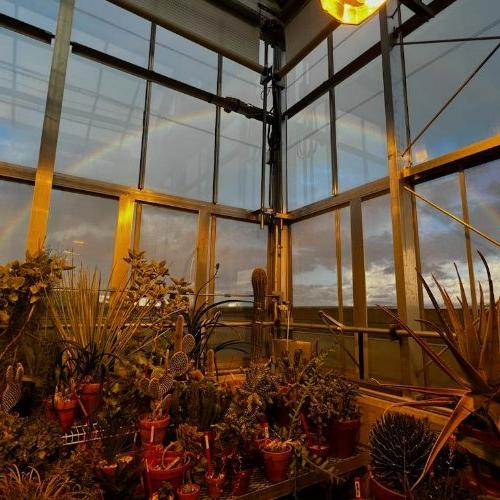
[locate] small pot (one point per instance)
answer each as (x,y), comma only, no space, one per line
(380,492)
(344,437)
(194,495)
(153,431)
(215,485)
(175,476)
(91,398)
(66,412)
(50,411)
(318,449)
(241,482)
(276,464)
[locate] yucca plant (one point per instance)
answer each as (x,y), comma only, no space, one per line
(474,342)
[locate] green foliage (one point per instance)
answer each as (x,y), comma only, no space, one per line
(124,482)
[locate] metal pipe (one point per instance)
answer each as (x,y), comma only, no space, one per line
(450,40)
(264,138)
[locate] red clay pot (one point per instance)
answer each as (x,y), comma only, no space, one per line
(319,450)
(276,464)
(380,492)
(344,437)
(153,431)
(215,485)
(91,398)
(155,477)
(189,496)
(66,412)
(50,412)
(241,482)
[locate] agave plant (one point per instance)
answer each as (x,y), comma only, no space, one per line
(473,340)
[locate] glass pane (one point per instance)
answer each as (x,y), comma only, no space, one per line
(110,29)
(170,235)
(82,228)
(309,165)
(349,42)
(442,240)
(15,206)
(379,259)
(179,58)
(314,263)
(240,247)
(483,188)
(40,13)
(101,124)
(240,161)
(241,82)
(361,137)
(307,75)
(474,114)
(345,242)
(24,74)
(180,155)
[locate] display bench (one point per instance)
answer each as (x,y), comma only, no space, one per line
(339,469)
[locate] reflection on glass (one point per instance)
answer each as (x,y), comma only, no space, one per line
(170,235)
(110,29)
(309,166)
(474,113)
(379,258)
(82,228)
(361,137)
(240,160)
(184,60)
(314,262)
(349,42)
(240,247)
(483,188)
(40,13)
(307,75)
(241,82)
(180,152)
(101,123)
(15,206)
(24,73)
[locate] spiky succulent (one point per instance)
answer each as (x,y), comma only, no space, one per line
(399,447)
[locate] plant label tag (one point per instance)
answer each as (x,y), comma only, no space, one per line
(151,437)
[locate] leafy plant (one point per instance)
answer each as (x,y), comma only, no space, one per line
(114,434)
(123,483)
(474,342)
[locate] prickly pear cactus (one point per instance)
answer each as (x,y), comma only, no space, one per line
(13,390)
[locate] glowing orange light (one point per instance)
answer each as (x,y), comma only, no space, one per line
(351,11)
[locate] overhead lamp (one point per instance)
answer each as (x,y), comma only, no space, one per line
(351,11)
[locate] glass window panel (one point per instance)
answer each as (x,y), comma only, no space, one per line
(346,255)
(349,42)
(24,74)
(360,122)
(307,74)
(82,228)
(474,113)
(40,13)
(170,235)
(101,123)
(379,258)
(442,240)
(241,82)
(240,247)
(15,206)
(483,188)
(180,154)
(240,161)
(110,29)
(309,165)
(179,58)
(314,262)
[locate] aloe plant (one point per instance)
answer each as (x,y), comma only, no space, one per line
(474,342)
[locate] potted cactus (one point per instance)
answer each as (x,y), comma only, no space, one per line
(165,468)
(189,491)
(277,455)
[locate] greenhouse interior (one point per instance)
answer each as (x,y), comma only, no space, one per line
(249,249)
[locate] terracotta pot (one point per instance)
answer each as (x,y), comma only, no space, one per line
(318,449)
(66,412)
(215,485)
(241,482)
(155,477)
(276,464)
(50,411)
(153,431)
(344,437)
(380,492)
(91,398)
(194,495)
